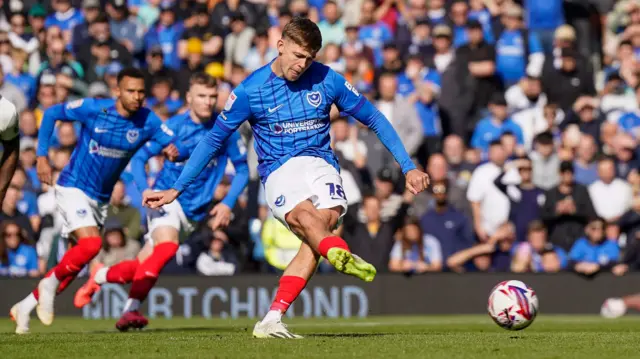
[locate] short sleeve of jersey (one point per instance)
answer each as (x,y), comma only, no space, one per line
(346,97)
(236,110)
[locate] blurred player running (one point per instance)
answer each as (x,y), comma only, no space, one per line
(10,140)
(172,220)
(112,132)
(288,108)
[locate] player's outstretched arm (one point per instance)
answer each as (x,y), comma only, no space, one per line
(237,151)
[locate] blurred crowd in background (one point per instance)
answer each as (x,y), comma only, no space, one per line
(524,113)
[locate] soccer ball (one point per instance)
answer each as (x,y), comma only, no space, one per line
(513,305)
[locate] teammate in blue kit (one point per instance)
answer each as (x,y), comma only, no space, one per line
(288,103)
(168,223)
(112,132)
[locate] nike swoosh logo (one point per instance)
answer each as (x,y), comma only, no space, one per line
(101,130)
(272,110)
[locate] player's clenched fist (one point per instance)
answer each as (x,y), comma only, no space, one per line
(155,200)
(44,170)
(417,181)
(171,152)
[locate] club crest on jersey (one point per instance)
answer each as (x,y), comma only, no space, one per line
(133,135)
(280,201)
(277,128)
(314,98)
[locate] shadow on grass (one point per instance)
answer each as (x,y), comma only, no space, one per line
(347,335)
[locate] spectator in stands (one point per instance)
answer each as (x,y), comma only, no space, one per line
(567,209)
(100,31)
(545,161)
(80,33)
(537,255)
(627,162)
(65,17)
(28,125)
(565,84)
(238,42)
(415,252)
(593,253)
(444,50)
(166,33)
(585,164)
(156,67)
(489,206)
(493,255)
(260,54)
(493,126)
(28,202)
(459,169)
(161,94)
(216,260)
(450,227)
(332,27)
(611,196)
(124,28)
(126,215)
(17,257)
(116,247)
(526,200)
(437,168)
(10,212)
(543,19)
(20,77)
(12,93)
(28,163)
(20,38)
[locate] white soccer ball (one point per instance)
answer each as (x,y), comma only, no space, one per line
(513,305)
(613,308)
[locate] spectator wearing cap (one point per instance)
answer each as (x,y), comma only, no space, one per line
(65,17)
(80,33)
(489,206)
(19,77)
(238,42)
(442,42)
(477,58)
(166,33)
(373,33)
(261,53)
(611,196)
(332,27)
(493,126)
(567,209)
(566,84)
(124,28)
(116,247)
(519,52)
(545,162)
(400,112)
(193,64)
(543,18)
(564,37)
(12,93)
(210,36)
(156,68)
(19,37)
(100,31)
(36,17)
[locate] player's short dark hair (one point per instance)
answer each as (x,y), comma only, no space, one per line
(304,33)
(203,78)
(130,72)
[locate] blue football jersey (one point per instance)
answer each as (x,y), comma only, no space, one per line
(291,119)
(106,144)
(196,199)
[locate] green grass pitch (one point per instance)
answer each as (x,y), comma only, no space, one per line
(450,337)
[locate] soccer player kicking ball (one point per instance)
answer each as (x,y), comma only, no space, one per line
(166,224)
(112,132)
(287,103)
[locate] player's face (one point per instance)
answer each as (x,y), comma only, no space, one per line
(130,93)
(202,100)
(294,59)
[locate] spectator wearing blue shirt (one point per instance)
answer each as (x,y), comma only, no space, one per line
(594,252)
(372,33)
(28,201)
(415,252)
(543,17)
(492,127)
(66,17)
(494,255)
(17,258)
(166,33)
(28,162)
(518,51)
(537,255)
(460,18)
(450,227)
(161,94)
(585,165)
(21,78)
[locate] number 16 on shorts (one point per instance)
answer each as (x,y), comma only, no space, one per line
(336,191)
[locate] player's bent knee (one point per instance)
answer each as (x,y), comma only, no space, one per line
(165,234)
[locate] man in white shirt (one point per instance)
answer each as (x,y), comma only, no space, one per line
(490,207)
(611,196)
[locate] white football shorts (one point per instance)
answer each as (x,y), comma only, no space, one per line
(78,210)
(170,215)
(304,178)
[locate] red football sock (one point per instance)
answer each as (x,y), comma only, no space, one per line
(147,272)
(332,242)
(289,289)
(61,287)
(123,272)
(77,257)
